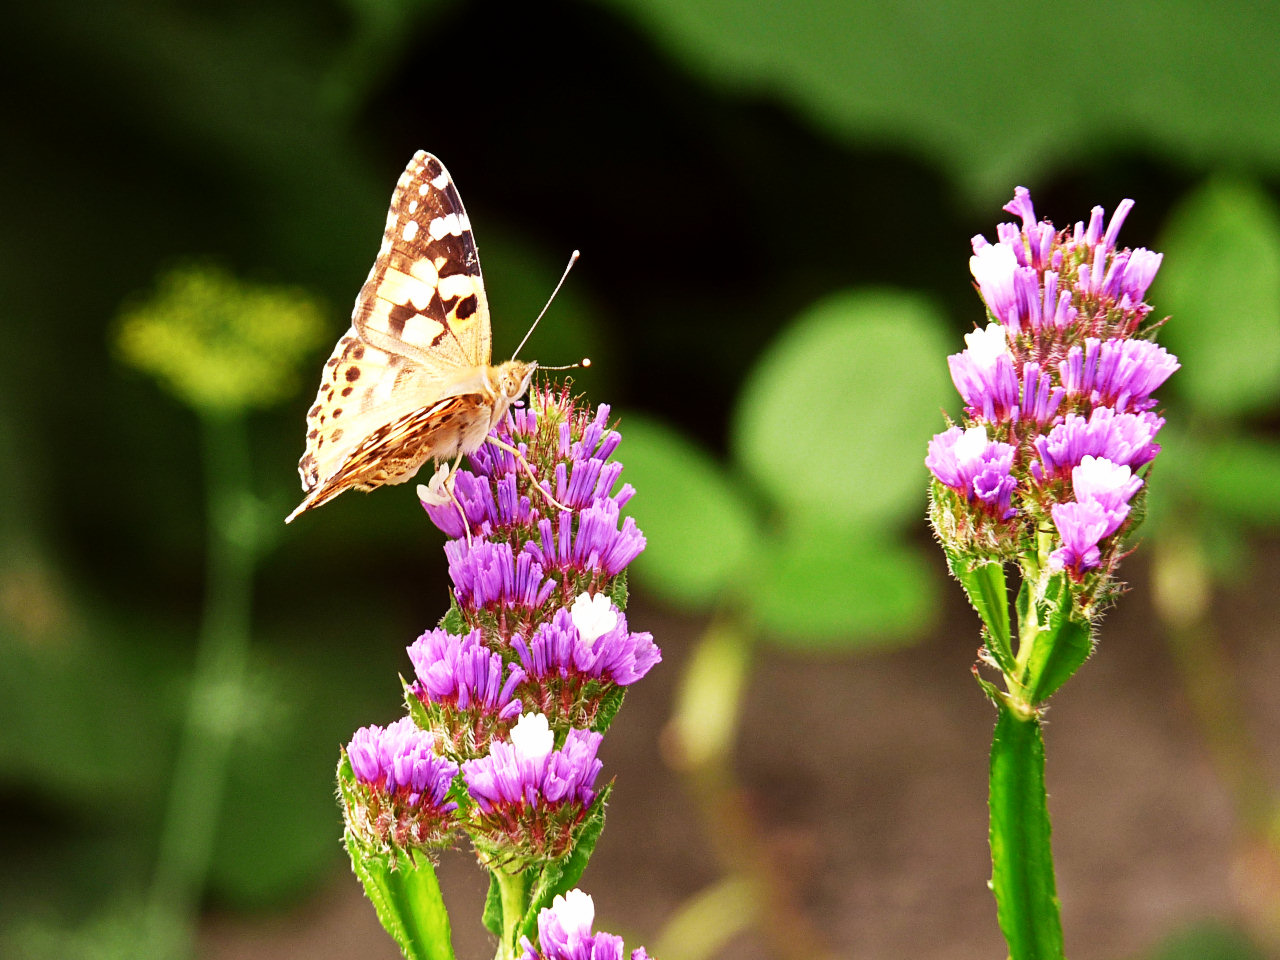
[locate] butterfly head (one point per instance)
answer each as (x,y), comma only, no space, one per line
(511,379)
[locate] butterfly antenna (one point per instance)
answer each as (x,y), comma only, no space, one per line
(572,260)
(584,362)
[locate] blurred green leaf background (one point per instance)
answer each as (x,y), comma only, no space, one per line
(774,203)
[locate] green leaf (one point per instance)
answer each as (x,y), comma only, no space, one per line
(402,887)
(492,918)
(618,591)
(417,709)
(699,528)
(1021,853)
(563,876)
(610,704)
(1221,282)
(452,621)
(832,422)
(985,586)
(1062,643)
(830,587)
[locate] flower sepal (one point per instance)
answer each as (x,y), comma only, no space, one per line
(608,708)
(985,586)
(400,882)
(559,877)
(1056,635)
(518,892)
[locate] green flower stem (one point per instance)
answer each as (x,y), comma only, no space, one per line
(1022,875)
(513,890)
(214,707)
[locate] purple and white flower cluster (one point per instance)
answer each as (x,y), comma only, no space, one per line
(564,933)
(535,653)
(402,786)
(1058,428)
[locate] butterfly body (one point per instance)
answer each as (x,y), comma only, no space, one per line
(412,379)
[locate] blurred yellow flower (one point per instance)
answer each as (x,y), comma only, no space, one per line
(221,344)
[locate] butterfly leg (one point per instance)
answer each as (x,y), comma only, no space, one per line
(440,490)
(466,524)
(524,464)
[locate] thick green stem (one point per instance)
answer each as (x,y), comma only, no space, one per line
(213,704)
(513,890)
(1021,854)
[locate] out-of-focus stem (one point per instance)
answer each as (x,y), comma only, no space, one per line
(1182,593)
(699,741)
(213,704)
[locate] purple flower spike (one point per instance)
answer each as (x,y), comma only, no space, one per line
(461,685)
(564,933)
(574,660)
(530,798)
(402,786)
(1059,398)
(978,469)
(984,374)
(1123,438)
(487,573)
(1117,373)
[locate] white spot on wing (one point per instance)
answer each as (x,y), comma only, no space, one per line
(424,270)
(410,230)
(441,181)
(413,206)
(447,224)
(458,285)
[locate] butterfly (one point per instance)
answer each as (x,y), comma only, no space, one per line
(411,381)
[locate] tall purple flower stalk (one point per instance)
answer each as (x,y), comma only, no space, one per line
(511,694)
(1058,388)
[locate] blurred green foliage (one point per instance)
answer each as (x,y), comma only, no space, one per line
(747,182)
(1221,283)
(1029,89)
(804,536)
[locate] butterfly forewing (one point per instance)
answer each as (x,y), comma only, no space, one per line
(424,297)
(401,385)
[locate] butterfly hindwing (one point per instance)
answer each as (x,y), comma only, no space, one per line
(394,451)
(361,389)
(424,297)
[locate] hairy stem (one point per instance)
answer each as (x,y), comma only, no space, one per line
(1022,874)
